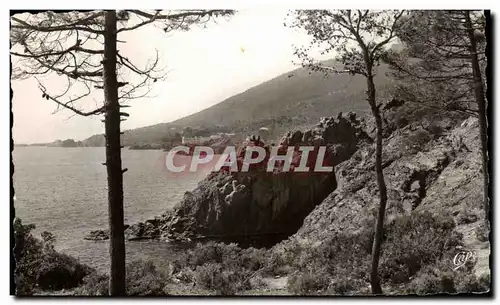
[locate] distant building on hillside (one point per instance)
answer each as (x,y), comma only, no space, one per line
(264,133)
(218,138)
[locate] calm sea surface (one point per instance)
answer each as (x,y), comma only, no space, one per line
(64,191)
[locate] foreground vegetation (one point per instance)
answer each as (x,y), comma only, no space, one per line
(416,259)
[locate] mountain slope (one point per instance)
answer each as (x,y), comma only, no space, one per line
(297,93)
(291,100)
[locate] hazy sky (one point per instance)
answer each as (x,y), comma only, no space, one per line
(206,66)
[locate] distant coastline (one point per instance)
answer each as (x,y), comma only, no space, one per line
(59,143)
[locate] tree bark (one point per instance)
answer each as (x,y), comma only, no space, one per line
(481,103)
(113,160)
(379,227)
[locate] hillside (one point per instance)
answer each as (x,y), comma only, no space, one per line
(291,100)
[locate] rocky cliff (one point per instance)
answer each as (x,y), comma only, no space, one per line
(434,166)
(267,206)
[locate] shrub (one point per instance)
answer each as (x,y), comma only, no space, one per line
(436,277)
(417,140)
(343,286)
(435,129)
(276,262)
(94,284)
(144,278)
(442,277)
(339,265)
(225,269)
(252,259)
(23,286)
(308,283)
(413,241)
(482,233)
(214,276)
(400,122)
(343,255)
(257,282)
(48,240)
(186,275)
(59,271)
(207,252)
(466,216)
(410,243)
(472,283)
(39,266)
(431,284)
(28,255)
(210,252)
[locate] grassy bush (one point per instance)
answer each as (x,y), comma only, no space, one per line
(225,269)
(337,266)
(60,271)
(467,216)
(210,252)
(482,233)
(223,281)
(441,277)
(339,286)
(94,284)
(185,275)
(308,283)
(252,259)
(429,283)
(39,266)
(277,262)
(144,278)
(417,140)
(342,255)
(436,277)
(472,283)
(257,282)
(411,242)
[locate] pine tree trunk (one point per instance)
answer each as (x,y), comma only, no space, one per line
(113,160)
(481,103)
(379,227)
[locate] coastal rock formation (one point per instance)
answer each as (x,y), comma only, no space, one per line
(234,206)
(257,203)
(138,231)
(97,235)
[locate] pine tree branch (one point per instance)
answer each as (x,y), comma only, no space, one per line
(47,29)
(68,104)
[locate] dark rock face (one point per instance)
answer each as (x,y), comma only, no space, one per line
(139,231)
(260,203)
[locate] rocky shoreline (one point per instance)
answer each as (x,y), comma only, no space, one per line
(256,204)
